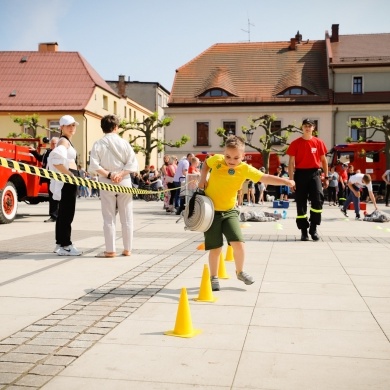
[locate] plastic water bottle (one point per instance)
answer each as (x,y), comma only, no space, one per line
(275,212)
(284,214)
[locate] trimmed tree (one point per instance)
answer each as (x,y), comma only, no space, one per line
(267,140)
(146,131)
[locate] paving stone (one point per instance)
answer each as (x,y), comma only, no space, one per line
(6,347)
(21,357)
(13,387)
(24,334)
(15,367)
(46,322)
(106,324)
(8,377)
(14,340)
(76,322)
(67,328)
(57,316)
(36,328)
(81,344)
(66,351)
(50,341)
(40,349)
(89,337)
(95,330)
(34,380)
(47,369)
(57,335)
(59,360)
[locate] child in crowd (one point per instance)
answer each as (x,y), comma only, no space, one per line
(227,174)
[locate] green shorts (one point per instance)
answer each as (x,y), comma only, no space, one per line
(225,223)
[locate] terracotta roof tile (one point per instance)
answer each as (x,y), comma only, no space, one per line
(361,49)
(49,80)
(253,72)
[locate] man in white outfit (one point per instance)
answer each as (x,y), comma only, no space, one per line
(114,159)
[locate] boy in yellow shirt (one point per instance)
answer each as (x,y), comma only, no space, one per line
(227,174)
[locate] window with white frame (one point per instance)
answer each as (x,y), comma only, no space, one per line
(357,84)
(54,131)
(230,128)
(202,133)
(105,102)
(356,132)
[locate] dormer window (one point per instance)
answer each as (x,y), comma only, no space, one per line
(215,92)
(295,91)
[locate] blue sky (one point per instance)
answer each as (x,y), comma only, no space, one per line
(147,40)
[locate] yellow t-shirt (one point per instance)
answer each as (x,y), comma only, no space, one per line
(224,182)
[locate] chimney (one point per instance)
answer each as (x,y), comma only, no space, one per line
(292,44)
(335,33)
(298,37)
(48,47)
(121,85)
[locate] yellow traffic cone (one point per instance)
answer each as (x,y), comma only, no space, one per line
(183,325)
(205,292)
(201,247)
(229,254)
(222,274)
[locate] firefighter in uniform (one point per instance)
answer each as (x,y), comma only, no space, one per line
(306,156)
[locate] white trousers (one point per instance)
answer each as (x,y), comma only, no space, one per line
(111,202)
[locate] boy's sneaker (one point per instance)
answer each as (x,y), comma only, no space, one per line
(57,248)
(344,212)
(69,250)
(214,283)
(357,218)
(244,277)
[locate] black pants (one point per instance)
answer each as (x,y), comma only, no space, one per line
(387,194)
(66,210)
(308,187)
(53,206)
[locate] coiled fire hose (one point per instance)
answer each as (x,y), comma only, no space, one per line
(199,213)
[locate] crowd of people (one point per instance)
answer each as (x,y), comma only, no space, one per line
(113,160)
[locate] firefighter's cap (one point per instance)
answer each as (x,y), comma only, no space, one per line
(308,121)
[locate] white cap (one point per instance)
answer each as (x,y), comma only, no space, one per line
(67,120)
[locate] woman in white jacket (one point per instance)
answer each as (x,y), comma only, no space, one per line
(63,159)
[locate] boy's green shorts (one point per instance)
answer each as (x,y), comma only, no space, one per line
(225,223)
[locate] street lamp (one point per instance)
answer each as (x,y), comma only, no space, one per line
(230,132)
(248,136)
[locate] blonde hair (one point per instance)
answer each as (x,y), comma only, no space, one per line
(366,179)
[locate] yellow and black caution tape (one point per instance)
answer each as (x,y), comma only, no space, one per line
(42,172)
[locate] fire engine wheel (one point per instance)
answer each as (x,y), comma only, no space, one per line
(9,203)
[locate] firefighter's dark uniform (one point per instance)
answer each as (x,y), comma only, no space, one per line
(307,154)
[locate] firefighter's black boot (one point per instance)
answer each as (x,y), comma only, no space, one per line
(304,235)
(313,233)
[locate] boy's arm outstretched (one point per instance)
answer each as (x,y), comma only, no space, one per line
(277,181)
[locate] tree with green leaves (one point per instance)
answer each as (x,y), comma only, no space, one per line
(381,125)
(267,140)
(31,122)
(147,132)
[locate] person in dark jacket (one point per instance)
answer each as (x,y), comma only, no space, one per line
(53,204)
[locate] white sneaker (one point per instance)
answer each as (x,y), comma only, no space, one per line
(56,249)
(69,250)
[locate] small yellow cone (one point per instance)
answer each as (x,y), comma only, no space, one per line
(183,325)
(229,254)
(201,247)
(222,274)
(205,292)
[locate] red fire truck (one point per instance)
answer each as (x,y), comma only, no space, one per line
(18,186)
(368,157)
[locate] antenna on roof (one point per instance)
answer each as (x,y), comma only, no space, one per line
(249,30)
